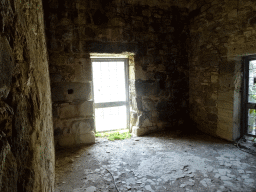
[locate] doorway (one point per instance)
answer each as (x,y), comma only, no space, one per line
(110,93)
(249,99)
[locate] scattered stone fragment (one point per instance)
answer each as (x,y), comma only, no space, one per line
(249,180)
(222,171)
(148,187)
(91,189)
(225,178)
(203,183)
(183,185)
(217,176)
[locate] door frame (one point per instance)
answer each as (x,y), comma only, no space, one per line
(245,104)
(102,105)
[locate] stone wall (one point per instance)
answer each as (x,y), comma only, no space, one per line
(221,32)
(26,131)
(155,32)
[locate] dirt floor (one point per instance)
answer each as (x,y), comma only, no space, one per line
(156,162)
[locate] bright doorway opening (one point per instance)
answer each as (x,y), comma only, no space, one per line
(110,92)
(250,96)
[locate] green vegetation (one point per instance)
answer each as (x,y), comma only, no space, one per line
(114,135)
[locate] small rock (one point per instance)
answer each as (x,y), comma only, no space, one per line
(225,178)
(148,187)
(182,185)
(249,180)
(91,189)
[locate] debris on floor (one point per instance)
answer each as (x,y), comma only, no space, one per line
(155,163)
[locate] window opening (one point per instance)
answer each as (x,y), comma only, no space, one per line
(110,82)
(250,96)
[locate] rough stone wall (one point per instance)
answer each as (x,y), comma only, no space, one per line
(26,131)
(155,32)
(221,32)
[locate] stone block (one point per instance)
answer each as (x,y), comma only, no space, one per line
(70,91)
(133,118)
(88,138)
(83,73)
(82,127)
(213,110)
(136,131)
(212,117)
(67,111)
(214,78)
(155,116)
(132,72)
(76,46)
(163,105)
(210,102)
(68,140)
(223,134)
(232,14)
(226,96)
(55,77)
(86,109)
(97,47)
(161,125)
(146,123)
(139,103)
(148,105)
(140,73)
(228,105)
(117,22)
(147,88)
